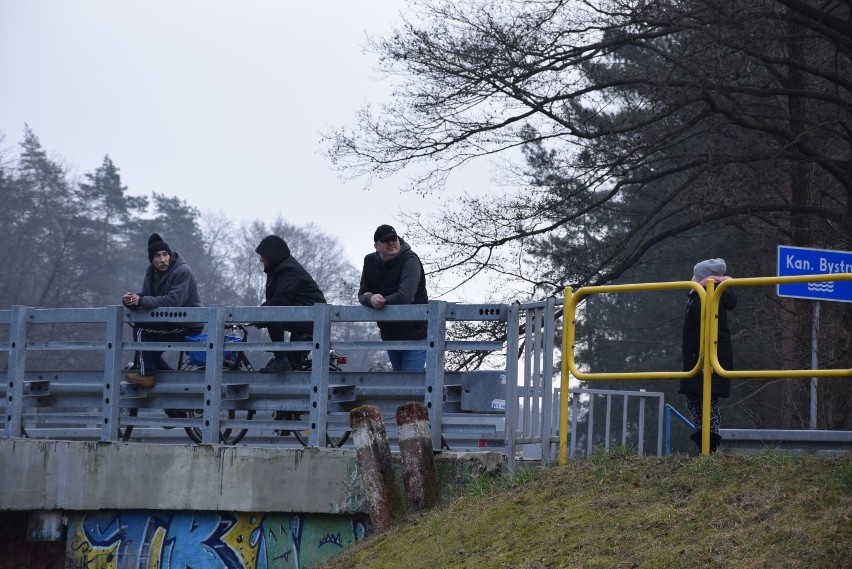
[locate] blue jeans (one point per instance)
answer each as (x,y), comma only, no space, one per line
(407,360)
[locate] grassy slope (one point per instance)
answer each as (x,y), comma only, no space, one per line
(623,511)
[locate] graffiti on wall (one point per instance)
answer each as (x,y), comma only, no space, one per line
(176,540)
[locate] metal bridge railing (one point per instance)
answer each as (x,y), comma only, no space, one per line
(532,394)
(39,392)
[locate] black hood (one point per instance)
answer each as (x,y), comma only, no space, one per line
(274,249)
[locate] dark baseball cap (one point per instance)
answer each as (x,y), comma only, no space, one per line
(383,232)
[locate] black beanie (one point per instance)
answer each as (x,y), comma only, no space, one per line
(155,245)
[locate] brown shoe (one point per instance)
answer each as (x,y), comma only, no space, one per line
(144,380)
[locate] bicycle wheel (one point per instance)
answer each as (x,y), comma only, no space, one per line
(233,436)
(227,436)
(335,436)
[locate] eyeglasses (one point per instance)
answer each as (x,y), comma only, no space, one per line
(390,239)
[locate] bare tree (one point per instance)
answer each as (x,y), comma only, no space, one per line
(641,125)
(752,97)
(319,252)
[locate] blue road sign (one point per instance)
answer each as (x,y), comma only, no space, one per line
(793,261)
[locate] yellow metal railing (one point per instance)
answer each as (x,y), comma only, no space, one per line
(708,340)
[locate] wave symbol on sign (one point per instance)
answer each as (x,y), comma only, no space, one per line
(821,287)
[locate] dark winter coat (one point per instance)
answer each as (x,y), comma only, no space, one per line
(287,282)
(401,281)
(721,387)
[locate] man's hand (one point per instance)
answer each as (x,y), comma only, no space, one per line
(130,299)
(377,301)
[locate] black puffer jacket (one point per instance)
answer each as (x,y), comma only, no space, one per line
(693,386)
(287,282)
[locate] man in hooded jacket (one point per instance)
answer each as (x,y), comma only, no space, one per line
(168,281)
(287,284)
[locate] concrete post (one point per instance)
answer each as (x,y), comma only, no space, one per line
(372,452)
(419,475)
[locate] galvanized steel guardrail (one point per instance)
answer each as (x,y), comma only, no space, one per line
(94,403)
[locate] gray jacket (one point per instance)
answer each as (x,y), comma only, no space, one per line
(177,287)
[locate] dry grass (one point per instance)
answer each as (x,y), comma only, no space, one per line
(622,511)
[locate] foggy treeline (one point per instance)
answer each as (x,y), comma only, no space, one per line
(83,242)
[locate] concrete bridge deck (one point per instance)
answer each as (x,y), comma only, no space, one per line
(43,475)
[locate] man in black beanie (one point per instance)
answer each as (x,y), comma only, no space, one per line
(168,282)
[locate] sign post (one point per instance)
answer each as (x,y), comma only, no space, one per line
(795,261)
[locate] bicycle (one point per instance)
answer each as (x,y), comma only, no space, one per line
(334,438)
(233,361)
(237,361)
(196,360)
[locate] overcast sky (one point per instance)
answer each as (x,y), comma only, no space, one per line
(220,103)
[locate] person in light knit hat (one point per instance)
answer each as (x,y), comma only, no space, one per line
(714,269)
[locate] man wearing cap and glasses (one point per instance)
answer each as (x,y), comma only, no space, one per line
(394,275)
